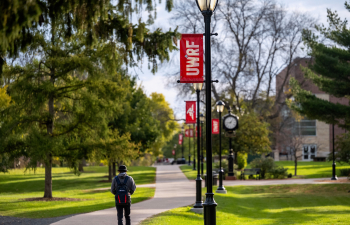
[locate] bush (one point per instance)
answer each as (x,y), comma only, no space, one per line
(290,175)
(242,160)
(344,172)
(265,164)
(278,172)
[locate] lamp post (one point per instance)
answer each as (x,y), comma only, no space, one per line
(202,119)
(207,7)
(183,139)
(199,202)
(334,176)
(194,147)
(175,153)
(220,108)
(189,146)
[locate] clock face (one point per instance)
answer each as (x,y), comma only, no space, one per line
(230,122)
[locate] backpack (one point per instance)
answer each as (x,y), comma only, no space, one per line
(122,196)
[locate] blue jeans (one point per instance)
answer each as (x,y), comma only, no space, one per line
(120,209)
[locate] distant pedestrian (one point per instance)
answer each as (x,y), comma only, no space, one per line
(123,186)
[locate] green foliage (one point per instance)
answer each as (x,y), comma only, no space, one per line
(278,172)
(5,99)
(342,147)
(242,160)
(265,164)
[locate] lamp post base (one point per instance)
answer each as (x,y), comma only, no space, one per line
(334,176)
(221,186)
(221,191)
(199,202)
(197,210)
(209,209)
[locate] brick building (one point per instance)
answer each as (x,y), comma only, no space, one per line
(314,137)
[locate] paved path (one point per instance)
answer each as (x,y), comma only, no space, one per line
(173,190)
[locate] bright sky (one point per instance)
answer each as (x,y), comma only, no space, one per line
(157,82)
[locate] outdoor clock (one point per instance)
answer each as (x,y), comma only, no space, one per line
(230,122)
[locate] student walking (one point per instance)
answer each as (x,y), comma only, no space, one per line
(123,186)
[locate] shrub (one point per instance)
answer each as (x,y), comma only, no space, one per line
(265,164)
(279,172)
(242,160)
(344,172)
(290,175)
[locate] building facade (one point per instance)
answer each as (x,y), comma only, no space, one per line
(311,139)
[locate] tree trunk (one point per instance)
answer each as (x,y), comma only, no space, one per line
(81,167)
(48,163)
(295,164)
(48,177)
(114,170)
(109,171)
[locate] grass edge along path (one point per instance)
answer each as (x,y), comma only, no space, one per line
(275,204)
(17,186)
(304,169)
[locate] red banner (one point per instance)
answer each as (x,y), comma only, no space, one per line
(190,111)
(187,133)
(191,132)
(180,139)
(173,152)
(200,132)
(191,58)
(215,126)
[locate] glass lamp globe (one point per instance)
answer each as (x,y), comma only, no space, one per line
(220,106)
(197,86)
(207,5)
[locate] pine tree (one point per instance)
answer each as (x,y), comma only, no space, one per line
(329,71)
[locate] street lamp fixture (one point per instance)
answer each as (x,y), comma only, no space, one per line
(207,7)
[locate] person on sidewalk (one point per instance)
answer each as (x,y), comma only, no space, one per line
(121,184)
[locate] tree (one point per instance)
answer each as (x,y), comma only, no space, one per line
(69,81)
(329,72)
(61,103)
(167,126)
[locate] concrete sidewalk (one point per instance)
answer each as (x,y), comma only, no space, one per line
(173,190)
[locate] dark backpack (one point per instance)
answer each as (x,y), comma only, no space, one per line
(122,196)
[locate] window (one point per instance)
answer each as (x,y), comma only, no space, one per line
(305,128)
(309,152)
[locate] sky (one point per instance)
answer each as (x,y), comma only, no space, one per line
(158,82)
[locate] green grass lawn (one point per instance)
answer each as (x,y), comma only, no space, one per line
(189,172)
(312,169)
(278,204)
(17,185)
(304,169)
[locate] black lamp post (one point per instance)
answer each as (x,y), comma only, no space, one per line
(189,146)
(183,139)
(202,119)
(334,176)
(199,202)
(220,108)
(194,147)
(207,7)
